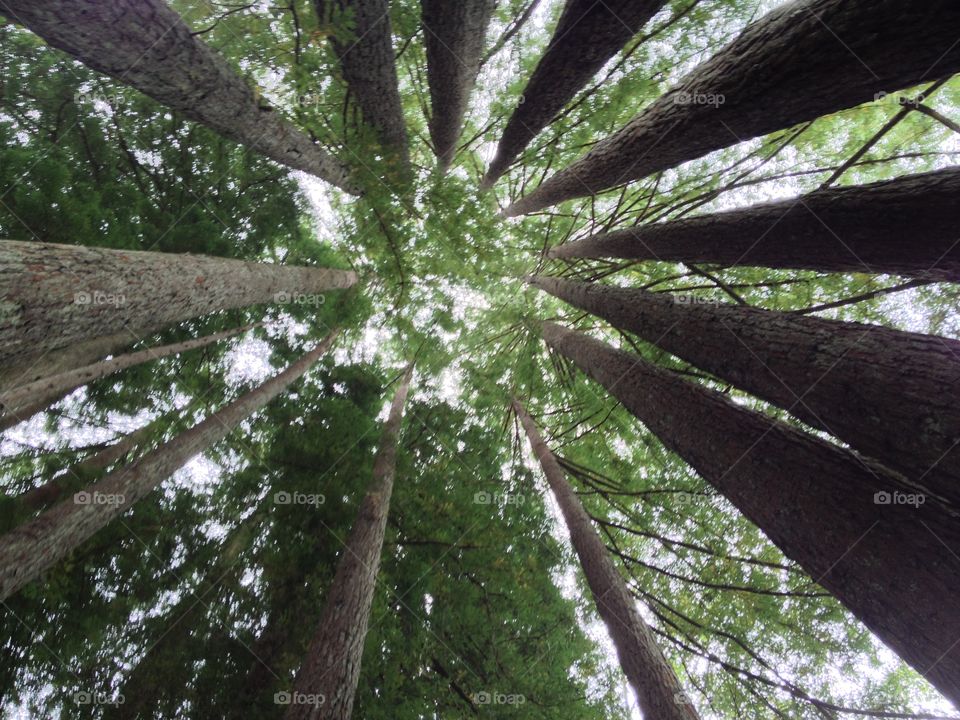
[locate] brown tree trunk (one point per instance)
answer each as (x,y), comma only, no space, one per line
(326,683)
(454,34)
(369,67)
(895,566)
(27,551)
(43,365)
(906,226)
(13,419)
(888,394)
(145,44)
(50,389)
(588,34)
(658,690)
(801,61)
(56,295)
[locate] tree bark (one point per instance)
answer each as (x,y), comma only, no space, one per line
(43,365)
(49,389)
(55,295)
(588,34)
(13,419)
(894,566)
(905,227)
(27,551)
(326,684)
(454,34)
(659,693)
(369,67)
(145,44)
(888,394)
(801,61)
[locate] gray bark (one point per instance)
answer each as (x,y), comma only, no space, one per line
(145,44)
(29,550)
(43,365)
(54,295)
(894,566)
(326,683)
(801,61)
(658,690)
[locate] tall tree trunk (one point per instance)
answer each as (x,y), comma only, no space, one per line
(658,690)
(894,566)
(888,394)
(29,550)
(55,295)
(588,34)
(50,388)
(369,67)
(326,683)
(801,61)
(906,226)
(13,419)
(454,34)
(145,44)
(43,365)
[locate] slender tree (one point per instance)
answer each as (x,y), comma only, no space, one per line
(367,61)
(588,34)
(56,295)
(37,366)
(27,551)
(658,690)
(905,226)
(895,566)
(13,419)
(454,34)
(326,683)
(49,389)
(145,44)
(884,392)
(803,60)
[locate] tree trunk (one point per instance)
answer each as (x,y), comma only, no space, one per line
(888,394)
(43,365)
(50,388)
(29,550)
(13,419)
(905,226)
(894,565)
(588,34)
(145,44)
(658,690)
(326,684)
(55,295)
(801,61)
(454,34)
(369,67)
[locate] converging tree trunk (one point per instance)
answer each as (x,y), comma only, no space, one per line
(887,393)
(37,366)
(27,551)
(454,34)
(145,44)
(56,295)
(889,558)
(906,226)
(13,419)
(326,683)
(588,34)
(658,690)
(49,389)
(367,61)
(799,62)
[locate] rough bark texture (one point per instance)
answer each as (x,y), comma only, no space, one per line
(43,365)
(327,681)
(54,295)
(29,550)
(894,566)
(13,419)
(906,226)
(368,66)
(588,34)
(801,61)
(888,394)
(658,690)
(49,389)
(145,44)
(454,34)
